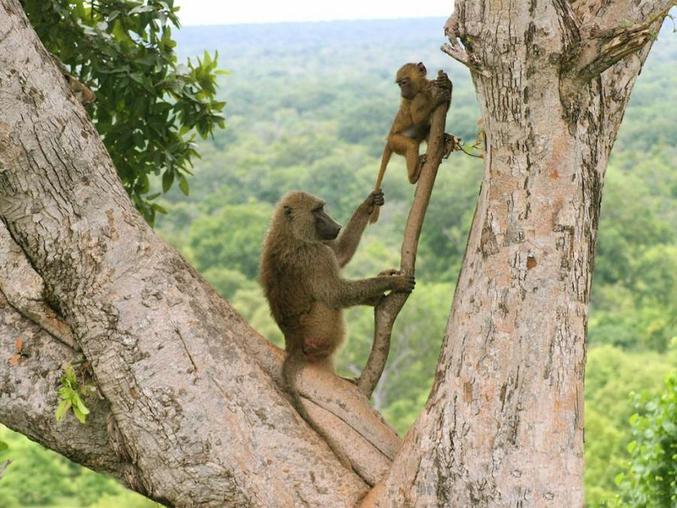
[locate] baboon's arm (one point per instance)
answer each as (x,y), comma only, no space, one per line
(421,108)
(347,242)
(345,246)
(424,104)
(347,293)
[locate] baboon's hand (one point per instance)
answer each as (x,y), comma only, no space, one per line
(390,271)
(442,81)
(373,200)
(442,88)
(403,283)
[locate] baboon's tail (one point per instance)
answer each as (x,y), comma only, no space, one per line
(387,152)
(292,366)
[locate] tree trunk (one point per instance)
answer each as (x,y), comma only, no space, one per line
(191,413)
(197,420)
(504,422)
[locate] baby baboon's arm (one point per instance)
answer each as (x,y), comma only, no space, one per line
(347,242)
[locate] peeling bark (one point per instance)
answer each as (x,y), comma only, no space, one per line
(23,290)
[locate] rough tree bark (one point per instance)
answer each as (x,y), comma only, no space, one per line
(504,422)
(191,413)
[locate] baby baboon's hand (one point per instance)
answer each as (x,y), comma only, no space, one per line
(373,200)
(442,81)
(442,88)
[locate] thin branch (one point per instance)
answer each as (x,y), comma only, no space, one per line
(455,49)
(387,310)
(458,53)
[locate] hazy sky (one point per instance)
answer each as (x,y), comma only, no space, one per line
(215,12)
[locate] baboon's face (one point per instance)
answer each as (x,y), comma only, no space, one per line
(326,228)
(407,88)
(309,221)
(409,78)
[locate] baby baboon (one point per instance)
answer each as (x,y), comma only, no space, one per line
(412,122)
(300,274)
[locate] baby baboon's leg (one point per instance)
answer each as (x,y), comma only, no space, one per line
(408,147)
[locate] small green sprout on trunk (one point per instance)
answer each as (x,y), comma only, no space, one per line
(71,393)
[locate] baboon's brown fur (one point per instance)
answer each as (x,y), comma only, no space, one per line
(300,275)
(412,121)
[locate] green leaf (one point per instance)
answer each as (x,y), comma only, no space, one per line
(167,180)
(183,185)
(65,392)
(62,409)
(158,208)
(69,374)
(82,417)
(144,184)
(141,9)
(77,401)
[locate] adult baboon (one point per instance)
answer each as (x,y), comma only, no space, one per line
(300,274)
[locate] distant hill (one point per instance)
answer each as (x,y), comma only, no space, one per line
(358,58)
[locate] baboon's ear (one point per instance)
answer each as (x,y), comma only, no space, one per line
(287,212)
(421,68)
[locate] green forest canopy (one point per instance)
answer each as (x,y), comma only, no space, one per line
(308,107)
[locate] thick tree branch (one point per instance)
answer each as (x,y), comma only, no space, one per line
(503,425)
(350,406)
(607,16)
(389,307)
(192,389)
(28,399)
(603,46)
(198,418)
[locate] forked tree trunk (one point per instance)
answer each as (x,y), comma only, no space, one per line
(191,412)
